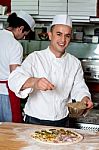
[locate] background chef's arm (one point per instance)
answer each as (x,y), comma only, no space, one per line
(16,56)
(13,67)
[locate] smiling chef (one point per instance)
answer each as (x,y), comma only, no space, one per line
(51,78)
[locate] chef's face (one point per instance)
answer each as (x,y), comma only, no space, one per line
(60,37)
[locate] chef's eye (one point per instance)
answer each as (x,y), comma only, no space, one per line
(59,34)
(67,35)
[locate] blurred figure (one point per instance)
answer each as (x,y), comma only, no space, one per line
(11,55)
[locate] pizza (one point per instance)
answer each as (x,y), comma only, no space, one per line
(57,136)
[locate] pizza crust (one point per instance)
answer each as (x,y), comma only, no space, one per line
(57,136)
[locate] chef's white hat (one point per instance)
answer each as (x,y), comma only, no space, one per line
(27,18)
(62,19)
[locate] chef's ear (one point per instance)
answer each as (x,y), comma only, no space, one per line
(21,28)
(49,35)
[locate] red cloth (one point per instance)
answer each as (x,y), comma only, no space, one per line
(15,105)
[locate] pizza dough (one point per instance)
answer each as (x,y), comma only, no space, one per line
(57,136)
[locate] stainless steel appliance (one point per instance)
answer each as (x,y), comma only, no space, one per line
(90,127)
(91,69)
(91,75)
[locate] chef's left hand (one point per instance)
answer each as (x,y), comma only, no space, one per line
(89,105)
(88,102)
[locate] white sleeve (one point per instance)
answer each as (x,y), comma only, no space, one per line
(79,89)
(16,79)
(16,53)
(19,76)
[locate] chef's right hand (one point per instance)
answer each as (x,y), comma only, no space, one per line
(43,84)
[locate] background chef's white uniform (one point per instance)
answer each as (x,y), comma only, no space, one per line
(11,52)
(65,73)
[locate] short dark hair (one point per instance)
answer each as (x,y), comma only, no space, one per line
(51,29)
(15,22)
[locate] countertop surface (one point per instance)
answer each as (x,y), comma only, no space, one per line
(17,136)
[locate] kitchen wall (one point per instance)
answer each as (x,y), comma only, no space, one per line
(48,8)
(43,12)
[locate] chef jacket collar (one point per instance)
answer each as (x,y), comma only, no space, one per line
(53,55)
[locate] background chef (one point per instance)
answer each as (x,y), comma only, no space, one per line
(11,54)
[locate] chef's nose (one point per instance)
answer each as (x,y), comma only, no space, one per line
(63,38)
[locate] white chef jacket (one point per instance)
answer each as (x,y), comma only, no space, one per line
(65,73)
(11,52)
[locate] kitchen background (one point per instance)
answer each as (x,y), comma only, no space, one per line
(85,37)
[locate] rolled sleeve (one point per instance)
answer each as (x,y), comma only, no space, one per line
(15,82)
(24,93)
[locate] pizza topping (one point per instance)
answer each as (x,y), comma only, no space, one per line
(56,135)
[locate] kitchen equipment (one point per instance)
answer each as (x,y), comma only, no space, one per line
(91,75)
(90,127)
(91,69)
(95,39)
(92,118)
(43,36)
(87,38)
(78,36)
(41,33)
(96,31)
(3,10)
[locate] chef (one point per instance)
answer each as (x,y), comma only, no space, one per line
(51,78)
(11,54)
